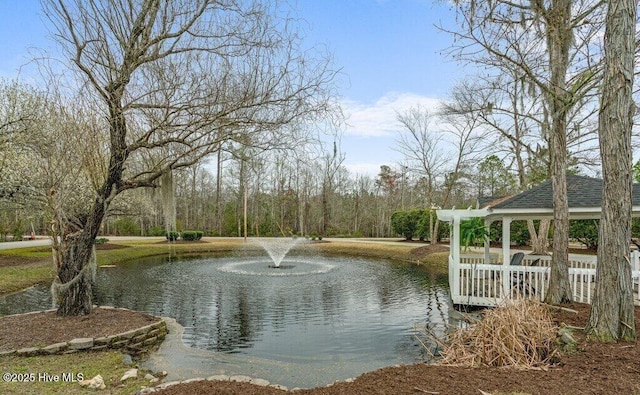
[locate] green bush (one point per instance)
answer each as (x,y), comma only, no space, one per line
(191,235)
(585,231)
(101,240)
(188,235)
(406,222)
(444,231)
(520,235)
(172,236)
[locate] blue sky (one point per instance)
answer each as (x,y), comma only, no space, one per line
(388,50)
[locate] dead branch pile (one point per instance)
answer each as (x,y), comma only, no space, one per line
(520,334)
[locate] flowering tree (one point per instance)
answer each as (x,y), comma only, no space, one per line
(172,82)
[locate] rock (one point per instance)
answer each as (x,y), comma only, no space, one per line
(279,387)
(240,378)
(193,380)
(566,337)
(127,360)
(218,377)
(168,384)
(81,343)
(149,376)
(28,351)
(95,383)
(131,373)
(260,382)
(54,348)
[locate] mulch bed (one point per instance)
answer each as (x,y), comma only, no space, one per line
(42,329)
(109,246)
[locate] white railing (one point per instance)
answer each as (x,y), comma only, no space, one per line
(475,283)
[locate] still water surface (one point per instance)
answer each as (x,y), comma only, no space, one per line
(315,310)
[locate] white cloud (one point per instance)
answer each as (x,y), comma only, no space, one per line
(368,169)
(380,118)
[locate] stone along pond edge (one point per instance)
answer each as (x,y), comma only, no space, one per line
(134,341)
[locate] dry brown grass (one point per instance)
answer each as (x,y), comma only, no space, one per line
(521,334)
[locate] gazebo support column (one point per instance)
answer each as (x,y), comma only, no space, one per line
(454,275)
(487,242)
(506,254)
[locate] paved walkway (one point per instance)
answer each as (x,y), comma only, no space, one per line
(38,242)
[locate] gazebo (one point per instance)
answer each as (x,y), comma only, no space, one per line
(488,279)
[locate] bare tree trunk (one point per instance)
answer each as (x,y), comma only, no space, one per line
(612,310)
(539,239)
(72,288)
(559,38)
(218,193)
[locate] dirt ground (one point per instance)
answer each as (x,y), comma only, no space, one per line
(594,368)
(42,329)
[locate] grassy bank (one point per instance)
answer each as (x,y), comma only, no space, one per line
(108,364)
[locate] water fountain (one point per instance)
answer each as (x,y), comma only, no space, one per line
(277,248)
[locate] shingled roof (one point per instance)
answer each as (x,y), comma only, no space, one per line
(581,192)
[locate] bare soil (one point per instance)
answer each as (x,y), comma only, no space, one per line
(7,260)
(421,252)
(109,246)
(593,368)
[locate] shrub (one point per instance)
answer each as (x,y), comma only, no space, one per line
(406,222)
(172,236)
(425,219)
(520,235)
(188,235)
(585,231)
(519,232)
(101,240)
(192,235)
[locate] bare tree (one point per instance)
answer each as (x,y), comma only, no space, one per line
(180,77)
(550,44)
(612,310)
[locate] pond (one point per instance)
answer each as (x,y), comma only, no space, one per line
(344,316)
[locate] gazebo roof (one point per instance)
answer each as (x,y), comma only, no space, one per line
(584,195)
(581,192)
